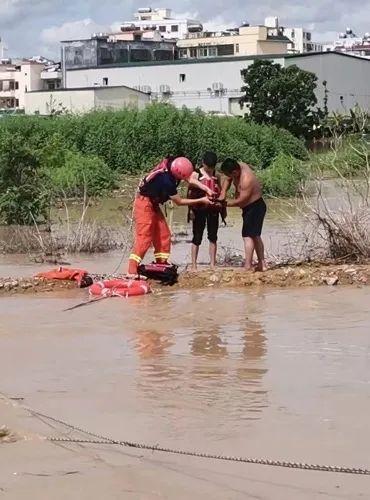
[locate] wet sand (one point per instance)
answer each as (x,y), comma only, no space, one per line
(274,374)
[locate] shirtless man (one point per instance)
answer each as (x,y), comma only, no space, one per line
(248,197)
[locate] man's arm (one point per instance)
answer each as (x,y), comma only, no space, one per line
(224,188)
(181,202)
(245,191)
(194,181)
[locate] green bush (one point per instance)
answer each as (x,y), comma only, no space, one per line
(24,197)
(348,157)
(131,141)
(283,177)
(81,175)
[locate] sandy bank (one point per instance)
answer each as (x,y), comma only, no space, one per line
(288,276)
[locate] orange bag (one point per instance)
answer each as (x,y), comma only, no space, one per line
(68,274)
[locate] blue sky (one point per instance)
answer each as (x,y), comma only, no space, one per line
(34,27)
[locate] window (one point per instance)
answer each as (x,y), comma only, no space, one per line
(226,50)
(193,53)
(183,53)
(182,77)
(17,103)
(293,34)
(162,29)
(212,51)
(203,52)
(308,36)
(174,28)
(16,85)
(237,48)
(51,86)
(11,85)
(105,81)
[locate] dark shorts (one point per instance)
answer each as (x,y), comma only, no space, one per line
(203,218)
(253,217)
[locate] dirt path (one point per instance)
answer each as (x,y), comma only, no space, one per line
(288,276)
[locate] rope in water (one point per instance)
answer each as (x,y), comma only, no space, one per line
(102,440)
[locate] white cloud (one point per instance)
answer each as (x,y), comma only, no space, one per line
(71,31)
(35,25)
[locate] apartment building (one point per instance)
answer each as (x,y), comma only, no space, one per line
(243,41)
(161,20)
(301,41)
(19,77)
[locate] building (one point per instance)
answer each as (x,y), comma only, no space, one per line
(243,41)
(213,84)
(19,77)
(105,50)
(82,100)
(2,49)
(301,41)
(161,20)
(349,43)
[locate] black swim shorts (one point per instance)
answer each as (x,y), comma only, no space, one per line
(253,217)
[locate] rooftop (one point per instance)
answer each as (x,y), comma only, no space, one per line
(223,59)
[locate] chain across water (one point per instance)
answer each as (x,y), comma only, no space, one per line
(102,440)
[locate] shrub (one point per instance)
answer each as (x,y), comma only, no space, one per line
(347,157)
(130,141)
(81,175)
(24,195)
(283,177)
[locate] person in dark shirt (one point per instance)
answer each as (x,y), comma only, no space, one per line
(151,227)
(203,217)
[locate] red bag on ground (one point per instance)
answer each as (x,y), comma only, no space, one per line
(68,274)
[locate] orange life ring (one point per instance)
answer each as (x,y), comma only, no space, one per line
(119,288)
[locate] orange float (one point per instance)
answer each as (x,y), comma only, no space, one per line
(119,288)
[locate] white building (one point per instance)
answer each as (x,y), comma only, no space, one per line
(301,41)
(215,84)
(161,20)
(82,100)
(20,77)
(349,43)
(2,49)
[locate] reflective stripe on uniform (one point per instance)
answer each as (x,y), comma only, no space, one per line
(161,255)
(136,258)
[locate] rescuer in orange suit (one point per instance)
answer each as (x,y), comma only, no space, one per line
(151,227)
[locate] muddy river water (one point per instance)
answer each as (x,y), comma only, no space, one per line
(279,374)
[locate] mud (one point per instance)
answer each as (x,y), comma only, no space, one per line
(304,275)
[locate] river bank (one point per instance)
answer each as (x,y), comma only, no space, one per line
(304,275)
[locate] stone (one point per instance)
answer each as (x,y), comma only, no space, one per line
(331,281)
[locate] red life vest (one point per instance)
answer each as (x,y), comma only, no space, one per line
(210,182)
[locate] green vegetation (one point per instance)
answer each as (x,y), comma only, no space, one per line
(131,141)
(284,97)
(23,197)
(46,159)
(284,177)
(348,157)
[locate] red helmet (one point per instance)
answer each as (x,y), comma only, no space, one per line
(181,168)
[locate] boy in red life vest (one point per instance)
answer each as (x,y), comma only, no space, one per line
(203,216)
(151,227)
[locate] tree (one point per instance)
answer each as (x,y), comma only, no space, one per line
(24,197)
(279,96)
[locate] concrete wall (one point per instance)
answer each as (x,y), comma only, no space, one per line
(346,76)
(117,98)
(199,76)
(84,100)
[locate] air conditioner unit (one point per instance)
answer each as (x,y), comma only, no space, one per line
(217,86)
(164,89)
